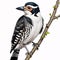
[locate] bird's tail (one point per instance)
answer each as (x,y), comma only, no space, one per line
(15,54)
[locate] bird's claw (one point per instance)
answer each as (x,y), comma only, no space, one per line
(34,44)
(27,53)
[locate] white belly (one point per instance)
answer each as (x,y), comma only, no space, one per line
(35,30)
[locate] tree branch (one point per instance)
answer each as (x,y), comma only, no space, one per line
(56,17)
(44,32)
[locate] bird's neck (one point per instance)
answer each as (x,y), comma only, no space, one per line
(37,15)
(34,18)
(27,13)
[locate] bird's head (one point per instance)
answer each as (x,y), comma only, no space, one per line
(29,8)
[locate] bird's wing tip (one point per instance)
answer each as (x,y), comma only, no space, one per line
(10,51)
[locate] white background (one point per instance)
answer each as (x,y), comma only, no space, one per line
(50,47)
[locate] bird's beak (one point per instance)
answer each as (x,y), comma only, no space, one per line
(20,8)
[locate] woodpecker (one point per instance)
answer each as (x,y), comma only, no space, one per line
(27,28)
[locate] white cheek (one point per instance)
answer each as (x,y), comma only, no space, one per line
(27,12)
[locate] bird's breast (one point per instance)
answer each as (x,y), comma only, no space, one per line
(37,24)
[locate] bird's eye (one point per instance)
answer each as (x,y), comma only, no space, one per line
(29,7)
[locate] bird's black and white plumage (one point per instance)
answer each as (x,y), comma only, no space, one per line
(22,30)
(27,28)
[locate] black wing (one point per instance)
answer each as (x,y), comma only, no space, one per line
(21,31)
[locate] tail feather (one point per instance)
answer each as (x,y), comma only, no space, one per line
(14,58)
(15,54)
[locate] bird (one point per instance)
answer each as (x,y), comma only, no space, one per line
(27,28)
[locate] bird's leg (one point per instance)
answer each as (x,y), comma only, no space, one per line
(27,50)
(34,44)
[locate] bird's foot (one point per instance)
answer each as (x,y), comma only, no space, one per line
(34,44)
(27,53)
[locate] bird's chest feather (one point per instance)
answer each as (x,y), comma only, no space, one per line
(37,24)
